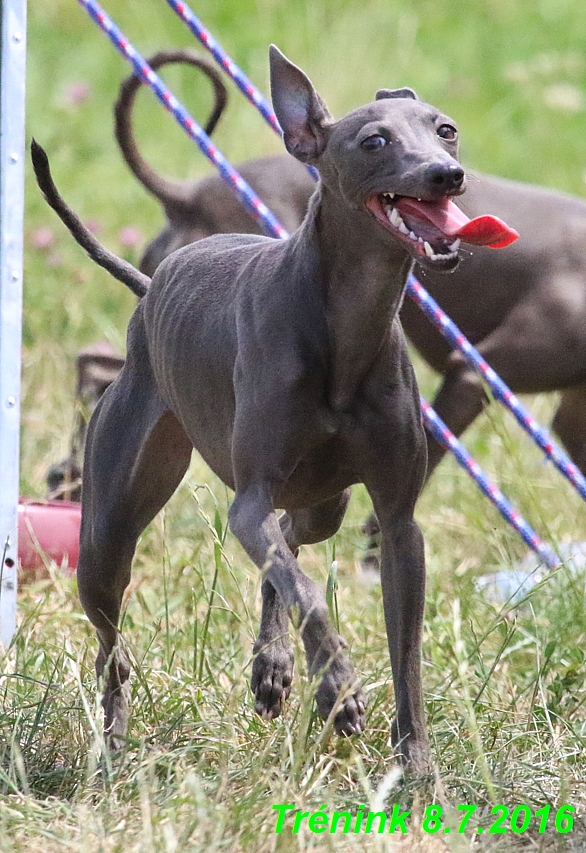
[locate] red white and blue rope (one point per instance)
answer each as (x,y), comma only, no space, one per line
(414,289)
(235,73)
(248,88)
(448,440)
(271,226)
(245,194)
(501,391)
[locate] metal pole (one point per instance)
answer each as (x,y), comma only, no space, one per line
(12,92)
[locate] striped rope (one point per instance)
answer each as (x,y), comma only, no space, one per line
(501,391)
(233,71)
(415,290)
(245,194)
(271,226)
(448,440)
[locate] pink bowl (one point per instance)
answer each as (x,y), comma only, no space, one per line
(49,529)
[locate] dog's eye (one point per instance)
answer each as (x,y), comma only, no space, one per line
(446,131)
(373,142)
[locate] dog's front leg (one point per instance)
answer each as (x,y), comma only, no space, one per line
(403,589)
(393,456)
(254,522)
(272,670)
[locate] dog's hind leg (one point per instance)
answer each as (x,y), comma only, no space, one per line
(136,456)
(570,424)
(272,670)
(459,400)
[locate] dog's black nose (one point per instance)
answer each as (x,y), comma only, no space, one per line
(446,176)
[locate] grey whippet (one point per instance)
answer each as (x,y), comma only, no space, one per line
(284,364)
(524,308)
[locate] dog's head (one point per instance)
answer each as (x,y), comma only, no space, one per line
(394,160)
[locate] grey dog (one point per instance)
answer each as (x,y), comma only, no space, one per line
(284,364)
(524,308)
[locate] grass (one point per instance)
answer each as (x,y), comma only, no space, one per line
(504,686)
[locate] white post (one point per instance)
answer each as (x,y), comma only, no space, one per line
(12,90)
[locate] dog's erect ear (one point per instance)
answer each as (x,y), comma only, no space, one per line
(396,93)
(301,112)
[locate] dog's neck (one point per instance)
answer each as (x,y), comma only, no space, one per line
(364,276)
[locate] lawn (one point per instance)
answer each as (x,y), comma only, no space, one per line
(505,685)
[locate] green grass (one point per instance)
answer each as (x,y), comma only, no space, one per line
(504,687)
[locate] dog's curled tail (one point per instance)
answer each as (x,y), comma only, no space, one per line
(120,269)
(171,193)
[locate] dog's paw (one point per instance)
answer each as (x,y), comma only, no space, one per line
(272,672)
(339,689)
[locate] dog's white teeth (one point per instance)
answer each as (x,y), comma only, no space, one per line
(455,245)
(389,195)
(428,250)
(396,220)
(395,217)
(420,240)
(441,256)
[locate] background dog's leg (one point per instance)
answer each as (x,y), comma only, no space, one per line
(570,424)
(522,350)
(273,665)
(136,456)
(371,559)
(460,399)
(255,523)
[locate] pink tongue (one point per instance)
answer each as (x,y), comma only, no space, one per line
(449,219)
